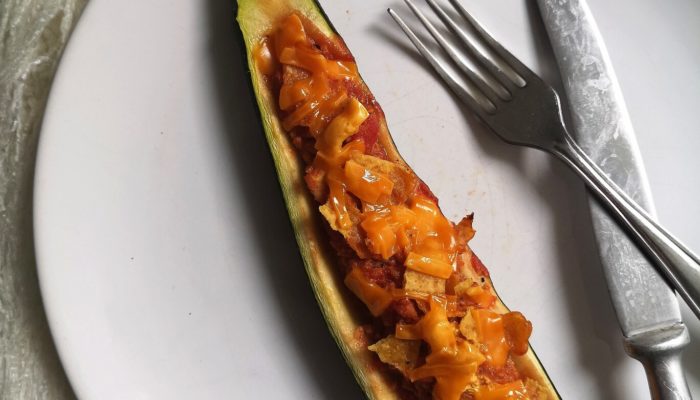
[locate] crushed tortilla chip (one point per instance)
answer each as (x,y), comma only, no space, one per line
(464,232)
(479,294)
(467,327)
(462,287)
(351,233)
(405,181)
(399,353)
(464,265)
(415,281)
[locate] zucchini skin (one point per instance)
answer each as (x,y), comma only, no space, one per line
(342,312)
(316,254)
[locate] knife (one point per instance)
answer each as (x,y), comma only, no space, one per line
(645,305)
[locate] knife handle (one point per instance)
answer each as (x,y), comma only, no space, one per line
(660,353)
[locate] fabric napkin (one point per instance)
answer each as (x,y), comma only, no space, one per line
(33,34)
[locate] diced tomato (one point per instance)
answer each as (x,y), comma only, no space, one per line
(363,95)
(505,374)
(382,273)
(478,266)
(424,190)
(406,310)
(368,131)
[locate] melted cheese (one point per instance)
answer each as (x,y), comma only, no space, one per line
(376,298)
(518,330)
(501,334)
(480,295)
(491,333)
(419,230)
(312,98)
(452,362)
(367,185)
(316,97)
(429,265)
(332,154)
(510,391)
(263,58)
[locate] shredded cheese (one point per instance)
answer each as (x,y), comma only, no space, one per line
(412,230)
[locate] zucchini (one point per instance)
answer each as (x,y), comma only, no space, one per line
(342,311)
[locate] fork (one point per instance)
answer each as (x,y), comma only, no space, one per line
(524,110)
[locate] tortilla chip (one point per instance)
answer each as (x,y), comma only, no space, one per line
(422,283)
(461,288)
(400,354)
(351,233)
(464,230)
(405,181)
(467,327)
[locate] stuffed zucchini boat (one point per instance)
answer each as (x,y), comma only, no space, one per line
(411,306)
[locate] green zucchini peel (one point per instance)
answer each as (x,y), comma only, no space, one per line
(257,18)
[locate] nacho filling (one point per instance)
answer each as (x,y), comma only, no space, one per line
(432,320)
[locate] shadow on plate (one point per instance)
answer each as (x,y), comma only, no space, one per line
(257,178)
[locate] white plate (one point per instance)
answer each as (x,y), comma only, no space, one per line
(167,264)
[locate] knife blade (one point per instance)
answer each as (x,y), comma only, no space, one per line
(645,305)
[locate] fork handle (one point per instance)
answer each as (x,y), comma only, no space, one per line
(674,260)
(579,151)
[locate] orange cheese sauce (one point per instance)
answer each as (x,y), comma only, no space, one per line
(509,391)
(417,229)
(359,197)
(452,361)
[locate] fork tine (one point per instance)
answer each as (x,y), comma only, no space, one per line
(505,76)
(474,99)
(492,90)
(520,68)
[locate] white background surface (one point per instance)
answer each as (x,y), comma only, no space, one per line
(167,264)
